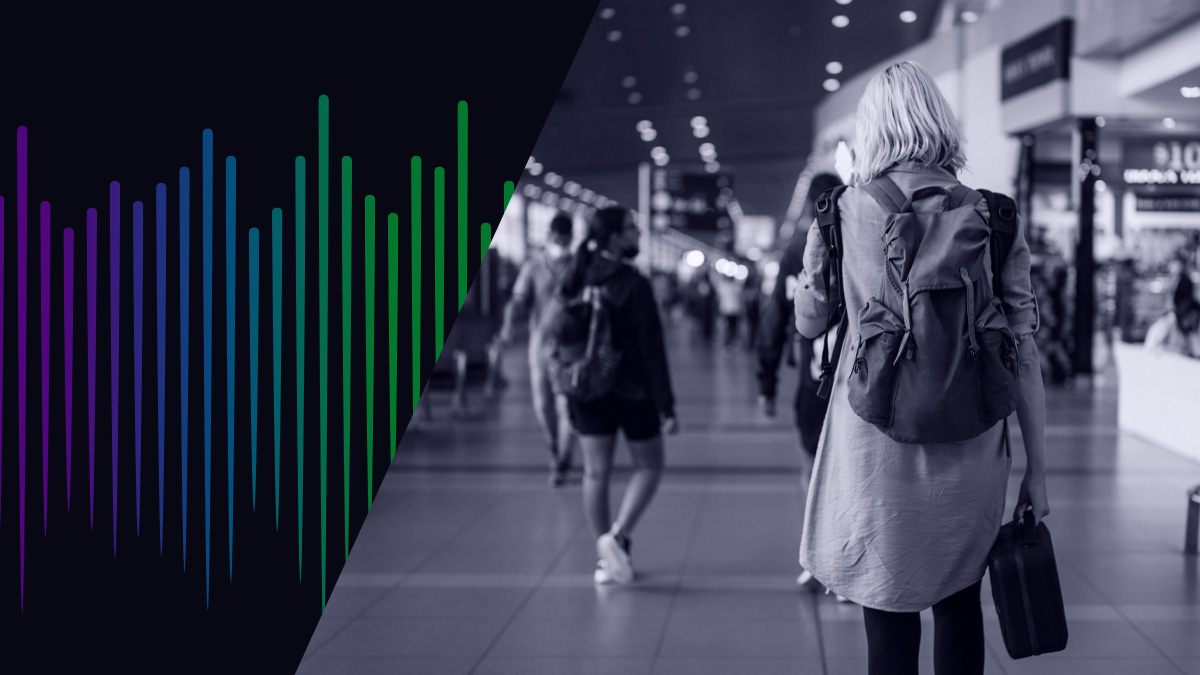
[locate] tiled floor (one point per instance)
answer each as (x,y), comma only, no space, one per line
(469,563)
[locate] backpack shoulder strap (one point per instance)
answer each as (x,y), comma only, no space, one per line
(830,227)
(1003,222)
(885,191)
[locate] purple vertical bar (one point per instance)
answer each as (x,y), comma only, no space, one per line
(137,359)
(45,255)
(114,327)
(22,318)
(68,341)
(91,338)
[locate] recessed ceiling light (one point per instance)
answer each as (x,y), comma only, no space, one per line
(658,151)
(649,135)
(662,160)
(530,162)
(833,67)
(707,148)
(970,17)
(614,36)
(629,82)
(908,16)
(607,13)
(712,167)
(678,8)
(841,21)
(635,98)
(1100,122)
(644,125)
(831,84)
(536,169)
(1169,122)
(699,121)
(844,2)
(700,132)
(682,31)
(691,77)
(1190,92)
(693,94)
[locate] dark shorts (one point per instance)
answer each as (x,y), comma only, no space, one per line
(637,419)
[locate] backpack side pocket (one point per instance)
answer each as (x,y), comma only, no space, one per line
(875,371)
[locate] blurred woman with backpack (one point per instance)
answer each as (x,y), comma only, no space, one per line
(899,527)
(639,401)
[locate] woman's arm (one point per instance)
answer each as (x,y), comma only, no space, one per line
(812,298)
(1031,415)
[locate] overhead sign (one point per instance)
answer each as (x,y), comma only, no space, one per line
(1169,203)
(696,204)
(1036,60)
(1171,161)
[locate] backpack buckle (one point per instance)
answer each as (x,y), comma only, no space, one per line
(823,204)
(1007,213)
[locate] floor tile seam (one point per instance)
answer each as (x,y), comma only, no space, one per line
(695,528)
(1137,629)
(437,551)
(566,548)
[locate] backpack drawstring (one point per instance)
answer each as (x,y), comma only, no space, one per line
(970,286)
(906,349)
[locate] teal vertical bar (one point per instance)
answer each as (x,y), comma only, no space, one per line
(439,261)
(230,325)
(347,238)
(462,203)
(416,282)
(369,306)
(253,312)
(300,330)
(276,333)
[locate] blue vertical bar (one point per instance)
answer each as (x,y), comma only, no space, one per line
(185,257)
(253,253)
(277,330)
(230,305)
(160,245)
(207,246)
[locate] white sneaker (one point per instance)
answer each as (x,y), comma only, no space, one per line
(806,581)
(616,560)
(601,575)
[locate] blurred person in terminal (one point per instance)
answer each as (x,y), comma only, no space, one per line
(535,294)
(639,403)
(753,301)
(1179,331)
(731,306)
(777,335)
(901,526)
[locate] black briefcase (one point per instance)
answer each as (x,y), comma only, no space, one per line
(1026,589)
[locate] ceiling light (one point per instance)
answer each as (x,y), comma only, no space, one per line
(678,8)
(587,196)
(695,258)
(699,121)
(536,169)
(644,125)
(614,36)
(1190,92)
(649,135)
(691,77)
(713,166)
(682,31)
(841,21)
(969,17)
(707,148)
(662,161)
(833,67)
(658,151)
(1101,186)
(831,84)
(1100,122)
(532,191)
(1169,122)
(635,98)
(572,188)
(530,162)
(629,82)
(693,94)
(908,16)
(844,2)
(607,13)
(700,132)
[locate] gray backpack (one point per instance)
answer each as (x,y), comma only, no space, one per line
(935,360)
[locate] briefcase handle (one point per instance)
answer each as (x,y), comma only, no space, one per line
(1026,530)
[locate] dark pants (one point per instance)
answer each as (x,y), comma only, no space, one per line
(894,638)
(810,408)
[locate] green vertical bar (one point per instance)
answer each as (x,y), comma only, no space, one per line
(393,320)
(509,188)
(462,203)
(369,304)
(323,299)
(439,261)
(416,281)
(485,240)
(347,237)
(300,277)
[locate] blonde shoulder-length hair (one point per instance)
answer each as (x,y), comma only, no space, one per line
(903,117)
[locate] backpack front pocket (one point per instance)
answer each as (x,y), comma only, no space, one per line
(875,371)
(998,370)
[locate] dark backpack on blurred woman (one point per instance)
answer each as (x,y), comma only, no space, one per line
(582,360)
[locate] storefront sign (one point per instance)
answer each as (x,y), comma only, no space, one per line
(1169,203)
(1039,59)
(1174,161)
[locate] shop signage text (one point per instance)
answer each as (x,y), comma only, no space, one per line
(1039,59)
(1175,204)
(1168,162)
